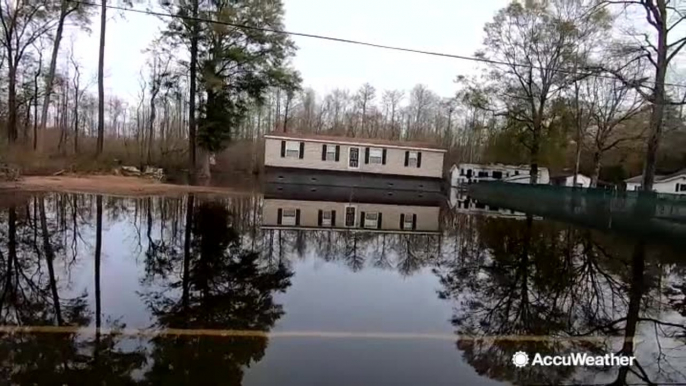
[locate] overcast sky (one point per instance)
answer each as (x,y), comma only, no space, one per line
(434,25)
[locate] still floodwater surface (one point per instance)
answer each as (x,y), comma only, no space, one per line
(171,281)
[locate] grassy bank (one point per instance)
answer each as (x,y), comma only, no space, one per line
(241,157)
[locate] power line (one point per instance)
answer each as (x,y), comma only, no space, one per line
(357,42)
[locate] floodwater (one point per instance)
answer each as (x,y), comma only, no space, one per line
(222,290)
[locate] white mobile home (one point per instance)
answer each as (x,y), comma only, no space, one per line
(674,183)
(466,173)
(582,181)
(354,155)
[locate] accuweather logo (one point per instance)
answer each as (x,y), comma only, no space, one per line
(521,359)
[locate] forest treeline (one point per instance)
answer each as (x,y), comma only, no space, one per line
(587,85)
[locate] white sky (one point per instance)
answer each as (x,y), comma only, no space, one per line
(454,27)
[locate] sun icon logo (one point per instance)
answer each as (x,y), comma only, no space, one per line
(520,359)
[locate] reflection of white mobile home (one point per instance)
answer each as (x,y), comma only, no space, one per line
(353,216)
(462,174)
(461,203)
(673,183)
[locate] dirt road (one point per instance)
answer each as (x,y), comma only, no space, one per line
(108,185)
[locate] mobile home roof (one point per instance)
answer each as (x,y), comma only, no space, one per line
(356,141)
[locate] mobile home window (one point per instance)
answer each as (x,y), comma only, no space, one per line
(413,159)
(682,187)
(326,218)
(408,221)
(375,155)
(371,220)
(288,217)
(330,152)
(292,149)
(483,174)
(350,216)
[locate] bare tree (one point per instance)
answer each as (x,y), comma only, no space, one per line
(159,73)
(66,8)
(101,80)
(538,42)
(78,93)
(363,99)
(391,101)
(613,106)
(654,47)
(23,23)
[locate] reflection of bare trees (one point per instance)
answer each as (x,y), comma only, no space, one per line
(223,287)
(32,295)
(577,288)
(404,252)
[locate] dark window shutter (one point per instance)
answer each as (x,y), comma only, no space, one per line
(414,222)
(366,155)
(320,215)
(407,158)
(279,214)
(402,220)
(383,157)
(676,188)
(302,150)
(333,218)
(419,159)
(378,223)
(283,149)
(362,219)
(338,153)
(297,217)
(323,152)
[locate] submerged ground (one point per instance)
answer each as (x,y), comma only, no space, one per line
(186,288)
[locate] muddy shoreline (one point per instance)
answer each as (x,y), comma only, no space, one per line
(109,185)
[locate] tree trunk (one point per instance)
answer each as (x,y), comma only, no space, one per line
(98,294)
(12,254)
(49,259)
(657,113)
(76,120)
(187,253)
(12,101)
(204,173)
(191,101)
(50,78)
(35,105)
(101,81)
(285,118)
(151,128)
(596,169)
(533,178)
(98,255)
(634,308)
(578,119)
(577,158)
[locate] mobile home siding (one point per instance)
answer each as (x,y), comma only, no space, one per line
(427,216)
(431,160)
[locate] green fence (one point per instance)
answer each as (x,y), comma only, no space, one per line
(638,213)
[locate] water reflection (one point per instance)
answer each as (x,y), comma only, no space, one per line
(107,273)
(583,289)
(221,286)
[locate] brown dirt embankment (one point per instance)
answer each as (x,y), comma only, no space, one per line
(108,185)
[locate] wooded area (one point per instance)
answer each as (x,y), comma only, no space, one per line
(586,85)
